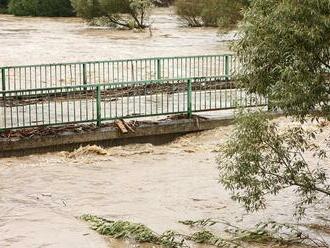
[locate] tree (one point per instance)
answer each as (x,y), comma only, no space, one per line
(3,6)
(189,12)
(210,13)
(3,3)
(230,12)
(258,161)
(120,13)
(40,8)
(284,51)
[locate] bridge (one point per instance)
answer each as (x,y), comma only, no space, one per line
(103,91)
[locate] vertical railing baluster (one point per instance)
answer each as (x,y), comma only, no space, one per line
(84,74)
(98,105)
(3,79)
(159,72)
(226,67)
(189,99)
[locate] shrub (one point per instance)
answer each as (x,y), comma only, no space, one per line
(190,12)
(4,3)
(40,7)
(3,6)
(211,13)
(120,13)
(163,3)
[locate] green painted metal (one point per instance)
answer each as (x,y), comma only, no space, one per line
(226,64)
(84,74)
(116,71)
(189,100)
(159,72)
(107,102)
(3,79)
(98,105)
(74,93)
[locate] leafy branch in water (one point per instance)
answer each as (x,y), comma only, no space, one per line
(269,232)
(199,223)
(263,233)
(132,231)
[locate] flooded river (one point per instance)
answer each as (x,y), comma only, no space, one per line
(41,195)
(26,40)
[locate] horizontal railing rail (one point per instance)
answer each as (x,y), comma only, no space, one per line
(101,102)
(124,70)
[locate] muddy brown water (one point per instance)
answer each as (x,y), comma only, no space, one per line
(41,195)
(26,40)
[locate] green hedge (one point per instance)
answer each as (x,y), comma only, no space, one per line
(41,8)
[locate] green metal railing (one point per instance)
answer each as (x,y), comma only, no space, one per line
(104,102)
(115,71)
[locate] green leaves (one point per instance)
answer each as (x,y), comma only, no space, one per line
(285,51)
(119,13)
(265,233)
(40,8)
(258,160)
(214,13)
(121,229)
(132,231)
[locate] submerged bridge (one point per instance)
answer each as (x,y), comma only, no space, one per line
(101,91)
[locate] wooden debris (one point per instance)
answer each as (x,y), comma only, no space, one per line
(121,126)
(128,126)
(114,94)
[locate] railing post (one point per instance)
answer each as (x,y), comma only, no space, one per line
(3,79)
(98,105)
(226,67)
(189,99)
(84,74)
(159,72)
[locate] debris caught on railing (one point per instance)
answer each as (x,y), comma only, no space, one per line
(121,126)
(124,127)
(111,94)
(183,116)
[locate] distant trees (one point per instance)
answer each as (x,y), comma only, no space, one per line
(214,13)
(3,3)
(3,6)
(119,13)
(40,7)
(133,13)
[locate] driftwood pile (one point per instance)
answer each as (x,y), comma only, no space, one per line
(111,93)
(123,126)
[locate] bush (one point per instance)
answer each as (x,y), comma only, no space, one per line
(40,7)
(163,3)
(210,13)
(4,3)
(120,13)
(3,6)
(190,12)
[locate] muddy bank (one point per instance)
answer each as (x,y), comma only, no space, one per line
(41,195)
(26,40)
